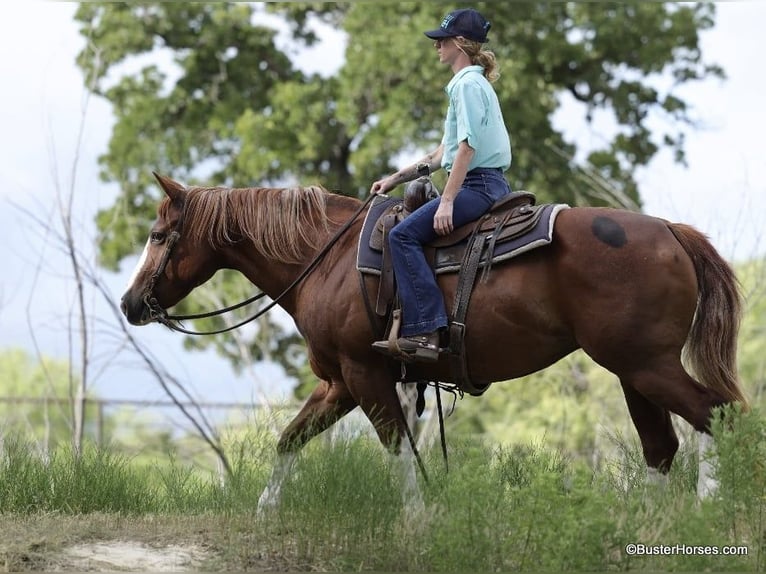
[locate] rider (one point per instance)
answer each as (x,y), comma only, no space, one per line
(475,150)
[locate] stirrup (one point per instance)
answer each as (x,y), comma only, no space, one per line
(423,348)
(390,345)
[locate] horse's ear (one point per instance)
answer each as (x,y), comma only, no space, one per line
(174,190)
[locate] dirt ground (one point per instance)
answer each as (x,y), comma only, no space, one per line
(123,555)
(103,542)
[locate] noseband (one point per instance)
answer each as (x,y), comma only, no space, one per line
(160,315)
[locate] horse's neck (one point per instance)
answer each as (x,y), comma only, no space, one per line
(270,276)
(274,276)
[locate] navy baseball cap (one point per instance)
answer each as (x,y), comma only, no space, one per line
(465,22)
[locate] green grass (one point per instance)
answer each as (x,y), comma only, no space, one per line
(499,509)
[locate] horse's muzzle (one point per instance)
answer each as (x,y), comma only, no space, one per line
(135,310)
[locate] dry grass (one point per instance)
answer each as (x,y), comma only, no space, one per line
(524,508)
(110,542)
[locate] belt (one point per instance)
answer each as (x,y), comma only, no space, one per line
(480,170)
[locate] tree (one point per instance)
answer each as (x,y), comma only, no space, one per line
(752,337)
(46,411)
(202,92)
(37,406)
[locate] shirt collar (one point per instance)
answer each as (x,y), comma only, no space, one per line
(461,73)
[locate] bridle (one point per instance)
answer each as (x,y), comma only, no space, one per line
(160,315)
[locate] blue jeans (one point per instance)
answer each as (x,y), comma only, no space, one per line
(423,309)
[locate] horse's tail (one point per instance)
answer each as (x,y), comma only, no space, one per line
(711,346)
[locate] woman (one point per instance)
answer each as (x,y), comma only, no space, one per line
(475,150)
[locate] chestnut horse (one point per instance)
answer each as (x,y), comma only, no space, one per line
(631,290)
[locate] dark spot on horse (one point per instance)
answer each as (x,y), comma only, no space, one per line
(609,231)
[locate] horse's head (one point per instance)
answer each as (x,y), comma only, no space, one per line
(171,264)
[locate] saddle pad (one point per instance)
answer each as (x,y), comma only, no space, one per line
(449,259)
(367,259)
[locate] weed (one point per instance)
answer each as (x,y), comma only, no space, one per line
(523,507)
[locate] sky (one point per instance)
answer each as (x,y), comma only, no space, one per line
(50,125)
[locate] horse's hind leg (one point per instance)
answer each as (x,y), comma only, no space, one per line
(669,386)
(327,404)
(655,430)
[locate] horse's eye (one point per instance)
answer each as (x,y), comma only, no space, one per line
(157,237)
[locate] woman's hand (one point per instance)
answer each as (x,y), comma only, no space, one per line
(443,217)
(383,185)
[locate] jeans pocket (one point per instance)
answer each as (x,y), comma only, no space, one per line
(492,188)
(484,185)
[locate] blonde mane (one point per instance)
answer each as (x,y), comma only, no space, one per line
(281,222)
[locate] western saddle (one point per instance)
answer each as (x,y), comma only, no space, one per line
(465,250)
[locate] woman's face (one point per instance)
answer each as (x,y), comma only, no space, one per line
(447,50)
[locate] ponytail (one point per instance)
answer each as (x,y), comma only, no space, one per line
(479,57)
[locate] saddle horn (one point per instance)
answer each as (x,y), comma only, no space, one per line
(418,192)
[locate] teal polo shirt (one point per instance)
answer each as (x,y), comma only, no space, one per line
(474,115)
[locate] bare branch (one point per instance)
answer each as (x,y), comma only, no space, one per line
(58,230)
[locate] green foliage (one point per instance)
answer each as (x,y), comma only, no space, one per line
(499,508)
(752,338)
(216,90)
(568,405)
(202,92)
(741,469)
(349,475)
(37,406)
(40,393)
(205,65)
(96,481)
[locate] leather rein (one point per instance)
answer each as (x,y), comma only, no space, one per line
(160,315)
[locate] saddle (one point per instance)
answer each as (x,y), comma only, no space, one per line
(513,225)
(500,214)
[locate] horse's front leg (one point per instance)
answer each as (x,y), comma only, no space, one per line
(328,403)
(375,392)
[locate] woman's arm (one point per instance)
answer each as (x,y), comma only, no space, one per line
(443,216)
(432,161)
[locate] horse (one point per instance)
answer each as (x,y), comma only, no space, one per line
(635,292)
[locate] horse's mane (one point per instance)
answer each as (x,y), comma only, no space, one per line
(279,221)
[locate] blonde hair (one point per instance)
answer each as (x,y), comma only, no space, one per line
(479,57)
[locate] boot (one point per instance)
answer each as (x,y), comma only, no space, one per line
(413,348)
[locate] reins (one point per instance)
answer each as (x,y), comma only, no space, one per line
(244,303)
(161,316)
